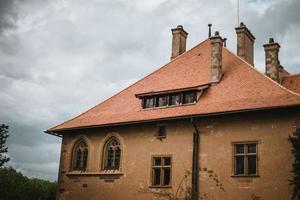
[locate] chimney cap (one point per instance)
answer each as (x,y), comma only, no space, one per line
(179,29)
(244,30)
(271,45)
(209,25)
(217,33)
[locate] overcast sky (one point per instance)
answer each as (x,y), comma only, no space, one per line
(61,57)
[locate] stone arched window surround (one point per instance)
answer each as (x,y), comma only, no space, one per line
(76,142)
(109,137)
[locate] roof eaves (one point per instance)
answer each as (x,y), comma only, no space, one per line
(170,118)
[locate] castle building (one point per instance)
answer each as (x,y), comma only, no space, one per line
(207,124)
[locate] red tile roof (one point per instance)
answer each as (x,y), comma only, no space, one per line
(292,82)
(242,87)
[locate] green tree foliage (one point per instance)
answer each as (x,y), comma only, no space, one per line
(295,140)
(3,150)
(15,186)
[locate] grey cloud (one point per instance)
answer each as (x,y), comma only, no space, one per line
(61,58)
(8,15)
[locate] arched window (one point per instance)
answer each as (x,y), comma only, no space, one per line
(112,154)
(80,155)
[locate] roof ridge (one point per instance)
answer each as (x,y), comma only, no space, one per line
(102,102)
(268,78)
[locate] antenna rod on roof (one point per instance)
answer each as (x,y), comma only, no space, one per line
(238,12)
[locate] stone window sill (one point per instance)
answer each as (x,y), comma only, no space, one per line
(160,187)
(245,176)
(94,173)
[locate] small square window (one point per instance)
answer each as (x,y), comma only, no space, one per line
(175,99)
(149,102)
(189,97)
(162,101)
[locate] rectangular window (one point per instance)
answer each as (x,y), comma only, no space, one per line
(149,102)
(189,97)
(175,99)
(245,159)
(161,101)
(161,171)
(161,132)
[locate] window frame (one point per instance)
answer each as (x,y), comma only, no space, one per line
(144,102)
(76,146)
(194,93)
(245,155)
(175,94)
(161,167)
(104,166)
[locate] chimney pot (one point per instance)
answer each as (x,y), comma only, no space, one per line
(178,41)
(245,43)
(271,40)
(224,40)
(209,30)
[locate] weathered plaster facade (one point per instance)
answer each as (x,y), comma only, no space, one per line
(217,133)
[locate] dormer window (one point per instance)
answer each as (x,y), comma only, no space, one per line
(171,98)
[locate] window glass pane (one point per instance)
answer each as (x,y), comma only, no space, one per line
(189,97)
(157,161)
(251,148)
(78,159)
(175,99)
(161,101)
(117,157)
(149,102)
(84,159)
(167,176)
(167,161)
(239,148)
(239,165)
(251,165)
(156,177)
(110,156)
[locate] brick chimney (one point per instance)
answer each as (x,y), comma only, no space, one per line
(216,57)
(178,41)
(245,42)
(272,60)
